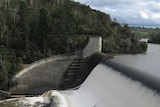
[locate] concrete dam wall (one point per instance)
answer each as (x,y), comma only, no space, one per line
(47,73)
(40,76)
(60,73)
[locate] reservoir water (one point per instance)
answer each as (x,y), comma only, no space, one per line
(148,62)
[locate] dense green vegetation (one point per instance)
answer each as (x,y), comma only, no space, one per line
(154,37)
(122,40)
(142,32)
(33,29)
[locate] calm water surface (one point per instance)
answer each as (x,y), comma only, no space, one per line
(148,62)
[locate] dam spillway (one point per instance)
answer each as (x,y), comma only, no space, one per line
(103,87)
(107,87)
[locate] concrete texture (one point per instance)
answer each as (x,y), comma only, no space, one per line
(41,78)
(94,45)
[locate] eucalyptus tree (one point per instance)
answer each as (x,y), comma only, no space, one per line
(43,28)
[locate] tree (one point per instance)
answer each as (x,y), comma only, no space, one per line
(43,28)
(24,23)
(126,31)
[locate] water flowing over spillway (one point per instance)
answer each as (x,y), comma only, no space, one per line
(104,87)
(108,88)
(51,98)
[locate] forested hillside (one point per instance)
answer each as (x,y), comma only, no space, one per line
(33,29)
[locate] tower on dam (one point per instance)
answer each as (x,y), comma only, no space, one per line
(94,45)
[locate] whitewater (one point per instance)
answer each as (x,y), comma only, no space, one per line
(104,87)
(51,98)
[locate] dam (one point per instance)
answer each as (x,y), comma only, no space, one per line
(48,73)
(103,87)
(107,85)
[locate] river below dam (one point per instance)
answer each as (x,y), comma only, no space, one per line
(105,87)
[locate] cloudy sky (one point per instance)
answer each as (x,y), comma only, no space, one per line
(133,12)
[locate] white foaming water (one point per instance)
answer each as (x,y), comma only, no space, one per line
(25,102)
(107,88)
(34,101)
(54,97)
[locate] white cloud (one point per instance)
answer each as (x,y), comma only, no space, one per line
(144,15)
(156,16)
(133,12)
